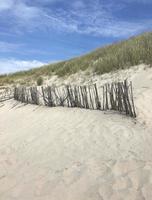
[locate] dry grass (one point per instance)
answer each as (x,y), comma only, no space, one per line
(121,55)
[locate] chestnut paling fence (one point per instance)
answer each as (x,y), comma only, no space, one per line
(6,94)
(117,96)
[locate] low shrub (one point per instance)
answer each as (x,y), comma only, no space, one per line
(40,81)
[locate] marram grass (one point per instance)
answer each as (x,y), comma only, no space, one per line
(125,54)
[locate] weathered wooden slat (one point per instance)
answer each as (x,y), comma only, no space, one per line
(114,96)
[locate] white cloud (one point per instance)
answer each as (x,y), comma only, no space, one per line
(19,9)
(13,65)
(79,16)
(24,12)
(93,19)
(6,4)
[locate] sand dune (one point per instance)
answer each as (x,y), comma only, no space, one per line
(76,154)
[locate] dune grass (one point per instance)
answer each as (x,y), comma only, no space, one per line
(125,54)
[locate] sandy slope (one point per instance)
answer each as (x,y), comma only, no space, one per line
(76,154)
(61,153)
(140,75)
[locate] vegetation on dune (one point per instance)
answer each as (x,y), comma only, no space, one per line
(40,81)
(121,55)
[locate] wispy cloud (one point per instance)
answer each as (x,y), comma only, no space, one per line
(6,47)
(13,65)
(6,4)
(139,1)
(9,47)
(80,16)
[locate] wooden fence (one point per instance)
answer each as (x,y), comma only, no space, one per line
(6,94)
(116,96)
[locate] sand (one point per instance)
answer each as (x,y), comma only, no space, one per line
(141,77)
(77,154)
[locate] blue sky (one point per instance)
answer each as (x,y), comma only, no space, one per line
(36,32)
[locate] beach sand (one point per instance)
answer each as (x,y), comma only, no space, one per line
(77,154)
